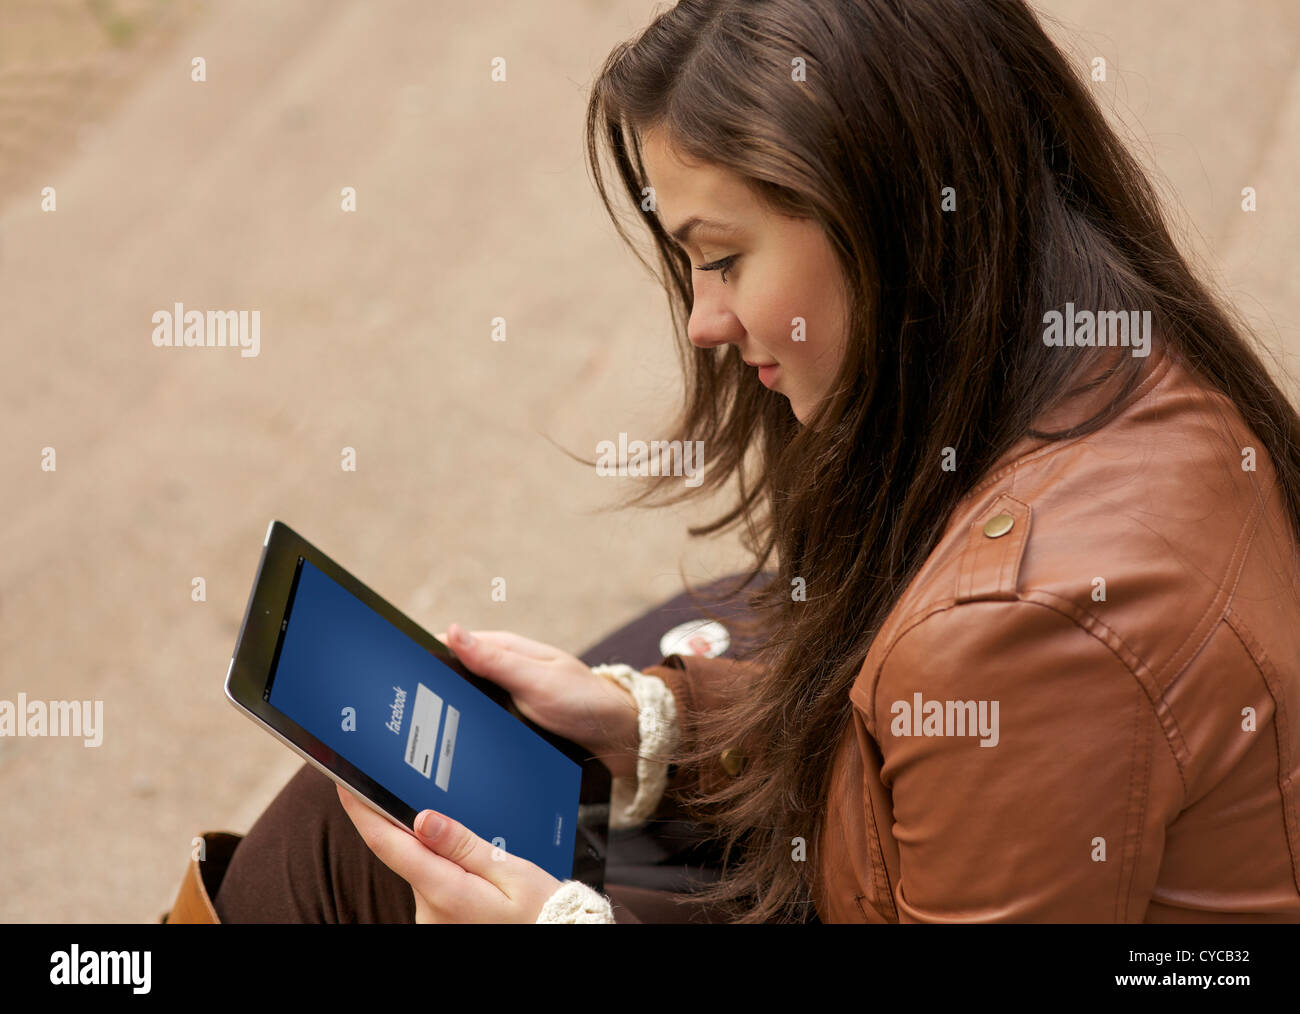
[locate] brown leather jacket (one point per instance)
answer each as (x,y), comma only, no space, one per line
(1131,602)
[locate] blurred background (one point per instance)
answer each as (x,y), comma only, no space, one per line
(472,202)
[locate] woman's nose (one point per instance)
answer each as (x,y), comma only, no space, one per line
(711,325)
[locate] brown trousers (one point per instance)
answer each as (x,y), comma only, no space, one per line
(304,862)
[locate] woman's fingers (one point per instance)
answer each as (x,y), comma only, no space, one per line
(441,881)
(454,874)
(511,641)
(393,846)
(456,843)
(488,656)
(521,887)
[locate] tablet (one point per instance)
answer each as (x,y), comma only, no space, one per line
(384,708)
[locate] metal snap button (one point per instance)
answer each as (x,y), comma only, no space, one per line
(733,761)
(998,526)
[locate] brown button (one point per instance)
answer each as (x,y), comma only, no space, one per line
(998,526)
(733,761)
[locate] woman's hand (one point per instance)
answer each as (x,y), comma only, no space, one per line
(557,691)
(455,875)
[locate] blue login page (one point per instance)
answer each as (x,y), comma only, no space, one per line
(388,706)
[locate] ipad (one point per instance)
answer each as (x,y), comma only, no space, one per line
(384,708)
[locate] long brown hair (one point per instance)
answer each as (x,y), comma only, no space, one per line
(902,99)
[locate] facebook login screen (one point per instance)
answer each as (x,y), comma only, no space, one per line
(388,706)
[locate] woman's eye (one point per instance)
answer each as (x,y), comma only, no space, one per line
(723,265)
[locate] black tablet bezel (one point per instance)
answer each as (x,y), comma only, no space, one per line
(252,665)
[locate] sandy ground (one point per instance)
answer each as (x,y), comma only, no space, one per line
(473,202)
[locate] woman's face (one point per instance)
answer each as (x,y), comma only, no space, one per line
(776,269)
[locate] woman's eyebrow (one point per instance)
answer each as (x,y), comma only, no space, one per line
(683,232)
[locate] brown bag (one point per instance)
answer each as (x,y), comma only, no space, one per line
(193,902)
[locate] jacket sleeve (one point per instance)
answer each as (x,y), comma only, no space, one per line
(1054,807)
(699,685)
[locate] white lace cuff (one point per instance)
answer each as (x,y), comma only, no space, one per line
(573,901)
(633,800)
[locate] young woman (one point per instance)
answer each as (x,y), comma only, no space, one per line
(1031,500)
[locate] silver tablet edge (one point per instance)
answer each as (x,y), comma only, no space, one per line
(309,758)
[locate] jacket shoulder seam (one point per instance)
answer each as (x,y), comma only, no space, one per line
(1098,631)
(1282,723)
(1153,681)
(1217,609)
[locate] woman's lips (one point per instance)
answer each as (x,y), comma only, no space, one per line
(767,374)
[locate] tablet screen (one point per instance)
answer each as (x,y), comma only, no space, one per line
(388,706)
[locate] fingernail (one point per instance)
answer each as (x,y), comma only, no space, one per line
(430,825)
(466,638)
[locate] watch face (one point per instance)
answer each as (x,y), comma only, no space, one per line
(696,637)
